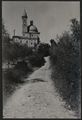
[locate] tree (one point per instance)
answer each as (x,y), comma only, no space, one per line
(67,64)
(43,49)
(75,29)
(5,44)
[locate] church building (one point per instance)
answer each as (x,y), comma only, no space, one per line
(30,34)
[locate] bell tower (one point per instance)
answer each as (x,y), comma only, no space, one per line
(24,23)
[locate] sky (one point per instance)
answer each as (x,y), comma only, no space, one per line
(50,17)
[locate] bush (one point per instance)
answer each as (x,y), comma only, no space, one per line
(65,60)
(43,49)
(18,73)
(36,60)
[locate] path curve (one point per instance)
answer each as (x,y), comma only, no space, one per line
(37,98)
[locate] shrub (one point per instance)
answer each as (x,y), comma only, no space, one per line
(66,66)
(36,60)
(43,49)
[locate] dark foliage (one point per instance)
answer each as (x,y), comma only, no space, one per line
(17,73)
(65,60)
(43,49)
(13,77)
(36,60)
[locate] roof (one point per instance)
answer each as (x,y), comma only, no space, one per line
(33,28)
(24,14)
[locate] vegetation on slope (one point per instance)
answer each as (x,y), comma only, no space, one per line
(65,62)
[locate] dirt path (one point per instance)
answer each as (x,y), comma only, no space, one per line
(37,98)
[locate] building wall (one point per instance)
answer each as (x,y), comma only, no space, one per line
(29,42)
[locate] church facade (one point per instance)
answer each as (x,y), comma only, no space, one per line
(30,34)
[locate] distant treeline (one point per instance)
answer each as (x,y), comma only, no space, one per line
(65,62)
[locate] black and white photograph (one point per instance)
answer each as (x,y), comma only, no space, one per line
(41,66)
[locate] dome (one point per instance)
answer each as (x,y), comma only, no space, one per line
(32,28)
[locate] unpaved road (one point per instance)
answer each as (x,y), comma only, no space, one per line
(37,98)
